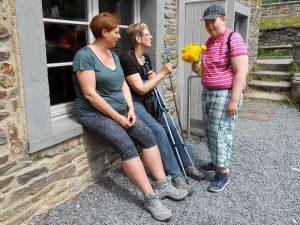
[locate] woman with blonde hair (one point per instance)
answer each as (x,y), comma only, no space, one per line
(134,63)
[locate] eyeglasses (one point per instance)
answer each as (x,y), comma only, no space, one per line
(146,35)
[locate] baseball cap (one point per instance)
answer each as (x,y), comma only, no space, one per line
(213,11)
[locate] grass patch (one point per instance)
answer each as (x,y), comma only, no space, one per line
(274,52)
(255,67)
(294,68)
(273,22)
(270,78)
(249,78)
(290,102)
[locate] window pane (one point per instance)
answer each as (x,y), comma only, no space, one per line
(122,44)
(62,41)
(60,85)
(65,9)
(115,6)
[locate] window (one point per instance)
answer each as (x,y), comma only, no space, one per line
(51,122)
(66,31)
(48,40)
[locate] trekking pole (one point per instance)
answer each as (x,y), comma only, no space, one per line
(160,101)
(163,110)
(171,82)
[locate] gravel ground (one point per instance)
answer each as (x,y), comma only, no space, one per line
(264,186)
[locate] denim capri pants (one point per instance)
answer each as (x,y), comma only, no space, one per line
(121,139)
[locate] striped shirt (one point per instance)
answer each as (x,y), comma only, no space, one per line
(214,60)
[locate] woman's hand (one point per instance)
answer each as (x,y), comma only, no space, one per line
(131,117)
(123,122)
(167,68)
(150,75)
(195,67)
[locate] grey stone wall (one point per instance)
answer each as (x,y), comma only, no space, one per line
(281,10)
(170,26)
(279,36)
(255,6)
(33,183)
(284,35)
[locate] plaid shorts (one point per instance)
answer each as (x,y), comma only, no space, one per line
(218,126)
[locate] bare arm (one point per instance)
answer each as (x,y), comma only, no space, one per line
(141,88)
(128,98)
(87,83)
(240,68)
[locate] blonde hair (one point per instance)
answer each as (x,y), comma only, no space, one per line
(134,30)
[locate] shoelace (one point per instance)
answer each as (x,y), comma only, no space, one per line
(180,180)
(168,181)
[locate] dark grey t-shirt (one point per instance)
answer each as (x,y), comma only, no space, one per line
(108,83)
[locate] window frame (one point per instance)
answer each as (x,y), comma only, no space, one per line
(46,126)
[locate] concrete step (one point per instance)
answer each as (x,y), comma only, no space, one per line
(270,86)
(274,64)
(275,75)
(265,96)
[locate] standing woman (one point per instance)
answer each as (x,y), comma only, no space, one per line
(104,106)
(223,79)
(141,83)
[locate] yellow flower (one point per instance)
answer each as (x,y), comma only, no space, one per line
(192,52)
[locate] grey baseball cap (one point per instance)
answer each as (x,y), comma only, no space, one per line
(213,11)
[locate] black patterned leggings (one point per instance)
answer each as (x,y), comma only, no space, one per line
(120,138)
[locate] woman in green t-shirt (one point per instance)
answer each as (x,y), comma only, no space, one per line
(104,106)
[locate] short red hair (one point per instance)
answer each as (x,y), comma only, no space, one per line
(102,21)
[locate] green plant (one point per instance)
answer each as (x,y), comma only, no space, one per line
(255,67)
(290,102)
(249,77)
(294,68)
(273,52)
(274,22)
(270,78)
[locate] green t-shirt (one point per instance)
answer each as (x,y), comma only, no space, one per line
(108,83)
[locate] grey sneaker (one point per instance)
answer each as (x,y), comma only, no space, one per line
(194,173)
(167,190)
(153,204)
(180,183)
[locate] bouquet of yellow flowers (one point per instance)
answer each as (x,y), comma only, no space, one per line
(191,53)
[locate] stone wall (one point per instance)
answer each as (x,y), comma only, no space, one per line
(255,6)
(279,36)
(170,25)
(33,183)
(281,10)
(284,35)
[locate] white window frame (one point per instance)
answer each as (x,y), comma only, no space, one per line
(46,125)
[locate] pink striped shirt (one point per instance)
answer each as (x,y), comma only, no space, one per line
(214,60)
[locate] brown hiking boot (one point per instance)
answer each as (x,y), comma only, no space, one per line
(194,173)
(180,183)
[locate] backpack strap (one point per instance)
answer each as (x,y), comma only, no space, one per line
(229,50)
(132,55)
